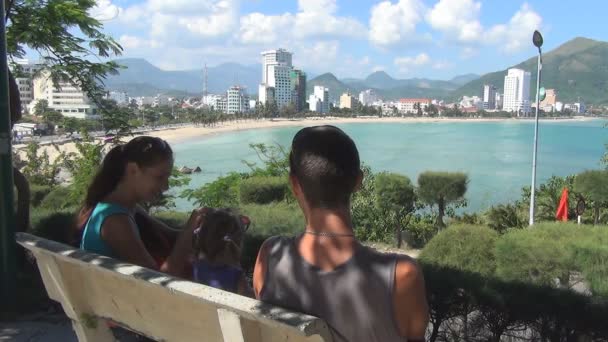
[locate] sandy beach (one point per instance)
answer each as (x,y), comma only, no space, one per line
(177,135)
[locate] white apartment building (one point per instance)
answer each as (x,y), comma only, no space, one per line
(280,81)
(237,100)
(489,96)
(410,106)
(499,100)
(517,92)
(368,97)
(24,72)
(318,101)
(66,98)
(120,97)
(472,101)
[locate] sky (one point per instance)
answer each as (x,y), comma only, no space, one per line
(435,39)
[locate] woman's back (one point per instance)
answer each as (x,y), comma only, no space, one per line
(92,240)
(355,299)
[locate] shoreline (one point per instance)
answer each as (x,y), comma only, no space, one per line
(190,132)
(182,134)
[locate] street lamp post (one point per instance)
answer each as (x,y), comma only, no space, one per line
(537,39)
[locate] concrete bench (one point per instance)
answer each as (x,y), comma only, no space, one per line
(92,288)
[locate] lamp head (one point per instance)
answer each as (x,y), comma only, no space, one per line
(537,39)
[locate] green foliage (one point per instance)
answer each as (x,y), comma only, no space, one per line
(263,189)
(83,166)
(394,192)
(41,107)
(504,216)
(541,255)
(38,193)
(547,198)
(221,193)
(67,36)
(441,189)
(274,158)
(53,223)
(593,185)
(38,168)
(60,198)
(462,247)
(395,199)
(278,218)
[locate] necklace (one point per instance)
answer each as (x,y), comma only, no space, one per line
(328,234)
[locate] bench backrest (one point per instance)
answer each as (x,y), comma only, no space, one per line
(92,288)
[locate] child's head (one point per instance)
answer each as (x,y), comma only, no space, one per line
(221,235)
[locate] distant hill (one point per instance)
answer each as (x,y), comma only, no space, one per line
(385,86)
(576,69)
(141,78)
(464,79)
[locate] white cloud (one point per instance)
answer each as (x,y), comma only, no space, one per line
(317,18)
(258,28)
(183,22)
(458,19)
(517,33)
(392,23)
(104,10)
(133,42)
(406,63)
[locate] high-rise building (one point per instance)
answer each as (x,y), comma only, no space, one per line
(498,101)
(281,83)
(237,100)
(120,97)
(65,98)
(319,100)
(298,89)
(517,92)
(347,101)
(489,96)
(368,97)
(24,76)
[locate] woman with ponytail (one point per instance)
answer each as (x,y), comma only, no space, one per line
(130,174)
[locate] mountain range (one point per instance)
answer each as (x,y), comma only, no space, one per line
(576,69)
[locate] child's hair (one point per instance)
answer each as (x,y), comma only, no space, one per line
(223,230)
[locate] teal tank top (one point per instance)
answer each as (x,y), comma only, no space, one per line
(91,236)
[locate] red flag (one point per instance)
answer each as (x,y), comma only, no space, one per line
(562,209)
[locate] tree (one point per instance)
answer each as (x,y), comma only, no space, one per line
(593,185)
(67,36)
(395,197)
(52,118)
(442,189)
(41,107)
(70,125)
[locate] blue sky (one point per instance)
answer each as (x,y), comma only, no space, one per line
(407,38)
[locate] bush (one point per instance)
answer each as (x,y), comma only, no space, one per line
(274,219)
(54,224)
(38,193)
(263,190)
(58,198)
(539,255)
(504,216)
(462,247)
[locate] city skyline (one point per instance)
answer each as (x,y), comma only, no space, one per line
(406,38)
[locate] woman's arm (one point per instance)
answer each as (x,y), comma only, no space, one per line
(121,234)
(155,223)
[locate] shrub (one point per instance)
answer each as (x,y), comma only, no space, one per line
(263,190)
(38,193)
(504,216)
(274,219)
(59,198)
(54,224)
(221,193)
(467,248)
(539,255)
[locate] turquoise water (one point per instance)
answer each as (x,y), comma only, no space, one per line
(496,155)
